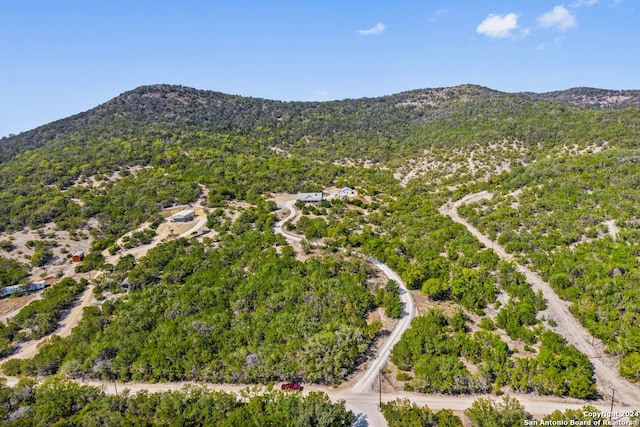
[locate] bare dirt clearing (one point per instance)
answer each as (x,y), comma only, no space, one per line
(60,242)
(70,320)
(98,181)
(476,163)
(10,306)
(166,231)
(612,228)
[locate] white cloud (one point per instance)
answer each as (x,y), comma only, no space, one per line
(559,18)
(377,29)
(557,42)
(525,32)
(581,3)
(437,14)
(498,26)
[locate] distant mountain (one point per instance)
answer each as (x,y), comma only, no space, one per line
(170,106)
(591,97)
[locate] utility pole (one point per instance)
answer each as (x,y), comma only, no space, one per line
(612,396)
(113,378)
(380,385)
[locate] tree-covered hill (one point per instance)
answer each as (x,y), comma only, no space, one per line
(106,172)
(388,117)
(592,97)
(165,106)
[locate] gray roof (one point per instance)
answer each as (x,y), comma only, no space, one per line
(183,214)
(309,197)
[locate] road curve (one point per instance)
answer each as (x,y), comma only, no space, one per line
(278,228)
(360,398)
(366,410)
(606,371)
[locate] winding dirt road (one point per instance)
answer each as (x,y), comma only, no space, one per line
(360,398)
(364,402)
(606,371)
(73,316)
(69,321)
(365,382)
(290,206)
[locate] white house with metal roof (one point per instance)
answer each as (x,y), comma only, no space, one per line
(309,197)
(184,216)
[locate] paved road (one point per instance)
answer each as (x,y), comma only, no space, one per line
(606,371)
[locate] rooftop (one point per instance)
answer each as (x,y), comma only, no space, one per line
(309,197)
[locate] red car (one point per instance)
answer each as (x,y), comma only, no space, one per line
(290,386)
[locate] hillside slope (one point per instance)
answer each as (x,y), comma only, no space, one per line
(170,106)
(126,165)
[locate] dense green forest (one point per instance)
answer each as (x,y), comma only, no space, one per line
(60,402)
(11,272)
(242,312)
(240,306)
(402,413)
(482,413)
(435,345)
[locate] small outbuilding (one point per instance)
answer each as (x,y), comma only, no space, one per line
(309,197)
(78,256)
(186,215)
(347,191)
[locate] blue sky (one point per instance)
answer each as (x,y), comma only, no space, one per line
(63,57)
